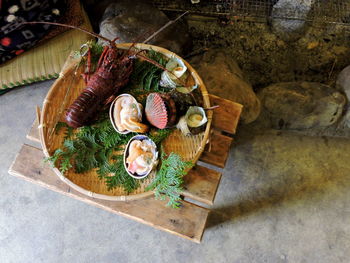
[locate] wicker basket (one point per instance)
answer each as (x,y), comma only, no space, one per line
(66,89)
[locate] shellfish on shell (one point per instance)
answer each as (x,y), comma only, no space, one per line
(140,156)
(193,122)
(176,70)
(126,115)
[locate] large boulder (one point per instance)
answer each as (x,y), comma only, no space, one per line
(343,83)
(282,13)
(301,105)
(224,78)
(132,21)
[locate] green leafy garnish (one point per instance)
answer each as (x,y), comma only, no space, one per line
(169,179)
(96,146)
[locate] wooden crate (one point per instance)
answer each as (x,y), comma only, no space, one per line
(200,184)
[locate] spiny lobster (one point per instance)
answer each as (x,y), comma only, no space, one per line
(113,72)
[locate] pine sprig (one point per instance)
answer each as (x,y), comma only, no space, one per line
(169,179)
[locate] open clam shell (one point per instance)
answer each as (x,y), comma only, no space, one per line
(115,112)
(145,151)
(196,119)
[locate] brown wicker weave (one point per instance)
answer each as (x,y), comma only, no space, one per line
(65,90)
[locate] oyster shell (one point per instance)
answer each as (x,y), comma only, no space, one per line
(126,115)
(140,156)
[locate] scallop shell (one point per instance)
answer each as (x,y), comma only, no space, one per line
(154,163)
(156,110)
(112,112)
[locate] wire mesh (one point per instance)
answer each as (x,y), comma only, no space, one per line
(329,11)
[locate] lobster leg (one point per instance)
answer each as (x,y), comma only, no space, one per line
(104,53)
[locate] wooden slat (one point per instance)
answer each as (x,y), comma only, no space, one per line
(188,221)
(201,184)
(226,117)
(33,134)
(218,150)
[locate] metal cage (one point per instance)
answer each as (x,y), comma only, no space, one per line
(327,11)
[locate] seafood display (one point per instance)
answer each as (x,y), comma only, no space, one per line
(140,156)
(126,115)
(98,132)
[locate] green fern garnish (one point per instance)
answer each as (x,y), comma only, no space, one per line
(93,147)
(169,179)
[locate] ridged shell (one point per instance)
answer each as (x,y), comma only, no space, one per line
(156,111)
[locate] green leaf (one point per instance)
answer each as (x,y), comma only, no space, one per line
(169,179)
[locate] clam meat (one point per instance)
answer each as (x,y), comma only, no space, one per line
(126,115)
(141,157)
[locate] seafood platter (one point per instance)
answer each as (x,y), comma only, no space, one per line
(119,131)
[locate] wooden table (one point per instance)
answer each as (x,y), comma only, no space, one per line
(200,184)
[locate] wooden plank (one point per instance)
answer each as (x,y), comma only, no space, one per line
(33,134)
(188,221)
(226,117)
(218,151)
(201,184)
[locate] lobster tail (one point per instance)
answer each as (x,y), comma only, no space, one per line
(81,110)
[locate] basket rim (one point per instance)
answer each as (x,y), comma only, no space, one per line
(130,197)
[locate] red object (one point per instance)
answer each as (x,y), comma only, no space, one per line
(19,52)
(156,111)
(6,41)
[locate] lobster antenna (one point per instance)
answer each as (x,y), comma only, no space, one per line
(74,27)
(164,27)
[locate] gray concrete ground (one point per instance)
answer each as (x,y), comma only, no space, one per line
(282,198)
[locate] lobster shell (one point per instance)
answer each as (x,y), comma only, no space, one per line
(113,74)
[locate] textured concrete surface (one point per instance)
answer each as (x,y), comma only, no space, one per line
(283,198)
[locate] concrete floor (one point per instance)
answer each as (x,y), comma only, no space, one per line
(283,198)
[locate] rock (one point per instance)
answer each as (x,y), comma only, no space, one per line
(282,13)
(224,78)
(135,22)
(343,83)
(301,105)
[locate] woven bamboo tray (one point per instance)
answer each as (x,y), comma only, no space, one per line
(66,89)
